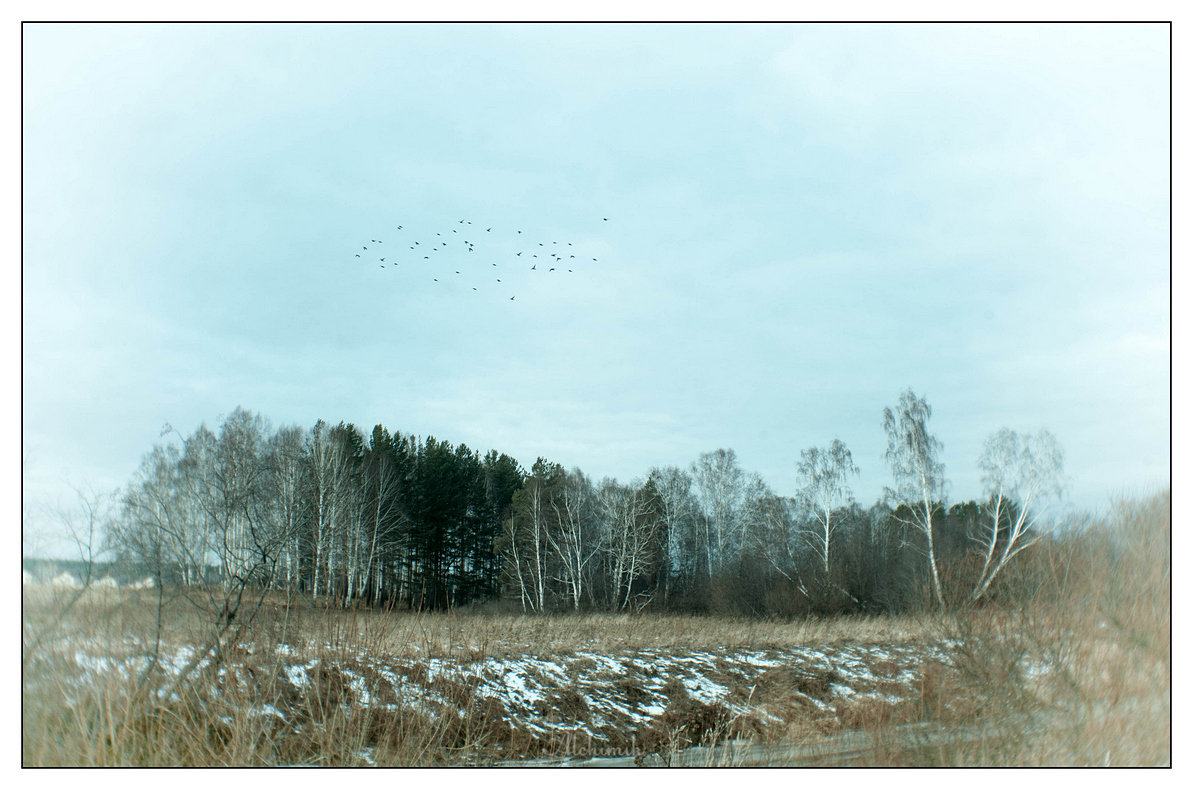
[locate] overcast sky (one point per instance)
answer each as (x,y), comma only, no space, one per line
(803,221)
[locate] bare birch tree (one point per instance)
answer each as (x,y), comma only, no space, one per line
(630,527)
(212,500)
(239,500)
(288,476)
(383,486)
(914,457)
(527,547)
(679,516)
(822,474)
(720,487)
(161,527)
(775,534)
(575,539)
(330,501)
(1019,473)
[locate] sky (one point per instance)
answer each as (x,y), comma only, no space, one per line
(803,221)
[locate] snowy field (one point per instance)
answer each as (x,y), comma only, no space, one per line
(578,704)
(315,686)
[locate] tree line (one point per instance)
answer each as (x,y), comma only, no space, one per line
(389,519)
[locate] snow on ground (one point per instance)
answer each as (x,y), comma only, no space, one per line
(760,660)
(602,696)
(704,690)
(515,688)
(357,684)
(298,675)
(608,663)
(841,690)
(591,692)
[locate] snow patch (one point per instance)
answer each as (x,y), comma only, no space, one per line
(704,690)
(758,660)
(297,674)
(841,690)
(357,683)
(607,663)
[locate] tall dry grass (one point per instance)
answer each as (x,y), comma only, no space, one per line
(237,710)
(215,717)
(1071,666)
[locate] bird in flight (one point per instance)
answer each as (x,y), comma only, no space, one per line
(551,269)
(519,255)
(511,298)
(532,268)
(399,227)
(488,229)
(605,218)
(383,260)
(519,232)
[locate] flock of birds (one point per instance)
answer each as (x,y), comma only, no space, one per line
(467,263)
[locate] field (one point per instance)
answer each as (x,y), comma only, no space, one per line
(1078,673)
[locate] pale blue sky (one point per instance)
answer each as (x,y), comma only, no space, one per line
(803,222)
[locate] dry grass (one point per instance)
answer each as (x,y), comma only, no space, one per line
(216,718)
(467,635)
(132,719)
(1076,672)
